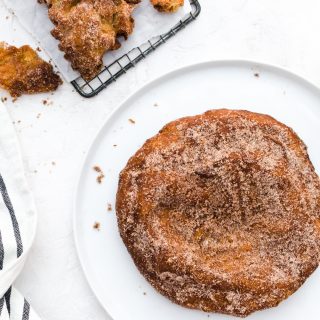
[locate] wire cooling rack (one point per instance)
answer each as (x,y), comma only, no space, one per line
(116,69)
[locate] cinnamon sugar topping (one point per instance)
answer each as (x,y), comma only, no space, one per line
(221,212)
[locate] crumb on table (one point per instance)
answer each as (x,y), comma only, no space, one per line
(257,75)
(97,226)
(101,175)
(109,207)
(132,121)
(47,102)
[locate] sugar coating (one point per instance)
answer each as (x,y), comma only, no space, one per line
(221,212)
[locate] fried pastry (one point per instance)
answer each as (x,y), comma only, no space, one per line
(167,5)
(23,71)
(87,29)
(221,212)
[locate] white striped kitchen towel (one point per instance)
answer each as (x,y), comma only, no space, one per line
(17,223)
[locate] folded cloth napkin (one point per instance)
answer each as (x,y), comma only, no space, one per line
(17,223)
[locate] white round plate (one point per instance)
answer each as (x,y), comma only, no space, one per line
(113,277)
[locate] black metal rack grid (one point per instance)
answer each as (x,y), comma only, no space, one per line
(116,69)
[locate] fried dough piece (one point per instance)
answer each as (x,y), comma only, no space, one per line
(87,29)
(23,71)
(167,5)
(221,212)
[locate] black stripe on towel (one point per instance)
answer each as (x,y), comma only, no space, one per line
(7,296)
(1,305)
(26,310)
(15,224)
(1,252)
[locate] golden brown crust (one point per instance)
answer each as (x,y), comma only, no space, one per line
(87,29)
(23,71)
(169,6)
(221,212)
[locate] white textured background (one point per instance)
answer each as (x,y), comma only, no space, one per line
(281,32)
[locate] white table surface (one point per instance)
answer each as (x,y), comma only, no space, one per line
(280,32)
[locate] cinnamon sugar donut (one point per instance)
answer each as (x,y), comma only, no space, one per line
(221,212)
